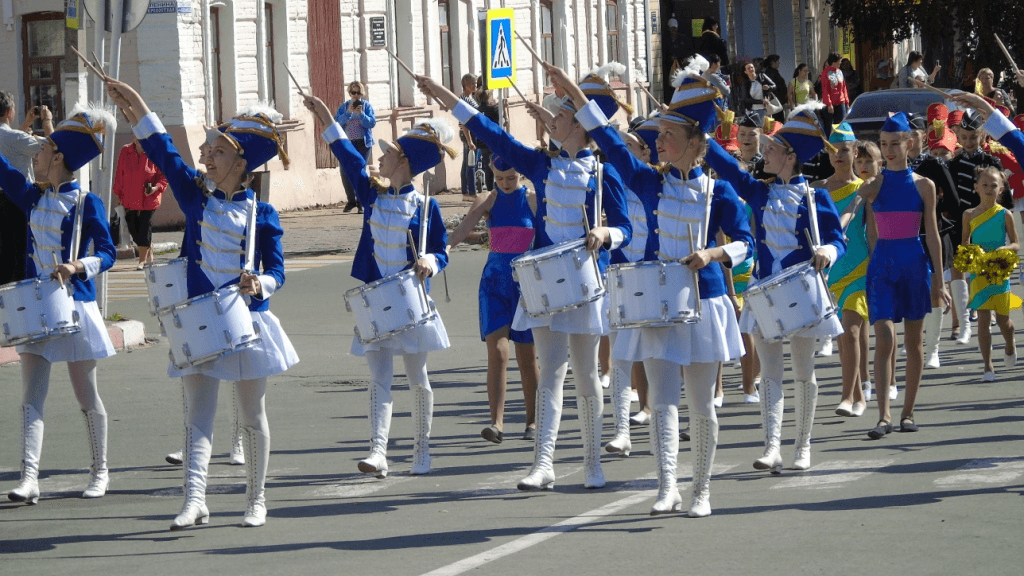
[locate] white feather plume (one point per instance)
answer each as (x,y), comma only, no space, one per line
(811,106)
(639,72)
(97,113)
(261,107)
(608,70)
(441,127)
(697,65)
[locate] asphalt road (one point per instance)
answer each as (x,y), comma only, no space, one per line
(945,500)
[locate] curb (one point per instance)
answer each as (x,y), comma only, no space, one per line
(157,247)
(125,335)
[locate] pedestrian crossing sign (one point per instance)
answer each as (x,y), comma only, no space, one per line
(501,55)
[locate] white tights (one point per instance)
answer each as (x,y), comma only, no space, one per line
(552,348)
(665,384)
(201,403)
(35,377)
(381,363)
(773,364)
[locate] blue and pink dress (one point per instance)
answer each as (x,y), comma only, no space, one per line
(899,272)
(511,227)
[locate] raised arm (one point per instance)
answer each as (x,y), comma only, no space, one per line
(16,186)
(352,162)
(638,176)
(527,161)
(728,169)
(481,206)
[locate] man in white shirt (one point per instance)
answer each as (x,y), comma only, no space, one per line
(19,147)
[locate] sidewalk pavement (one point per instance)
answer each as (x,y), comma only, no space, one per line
(307,232)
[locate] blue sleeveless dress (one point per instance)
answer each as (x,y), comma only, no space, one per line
(511,227)
(899,272)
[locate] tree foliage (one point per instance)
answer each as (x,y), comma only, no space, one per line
(961,28)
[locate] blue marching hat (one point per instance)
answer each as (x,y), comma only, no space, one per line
(80,137)
(424,144)
(499,164)
(648,132)
(695,100)
(253,132)
(595,85)
(842,132)
(897,122)
(802,133)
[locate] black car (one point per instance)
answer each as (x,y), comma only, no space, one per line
(871,109)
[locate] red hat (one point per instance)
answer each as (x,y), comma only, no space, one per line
(941,137)
(1004,110)
(954,118)
(1018,121)
(770,126)
(938,111)
(730,144)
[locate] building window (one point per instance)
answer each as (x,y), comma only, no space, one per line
(268,52)
(547,36)
(611,28)
(42,42)
(444,16)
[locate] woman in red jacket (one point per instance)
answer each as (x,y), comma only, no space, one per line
(833,93)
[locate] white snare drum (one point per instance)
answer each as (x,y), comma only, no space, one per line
(389,306)
(36,310)
(207,327)
(650,294)
(556,278)
(790,301)
(165,282)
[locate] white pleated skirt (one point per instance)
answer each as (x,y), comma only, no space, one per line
(591,318)
(91,343)
(715,338)
(272,355)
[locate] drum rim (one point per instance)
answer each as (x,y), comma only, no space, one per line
(149,265)
(27,281)
(45,336)
(595,297)
(183,303)
(780,276)
(378,282)
(789,333)
(694,319)
(211,357)
(431,316)
(549,252)
(645,263)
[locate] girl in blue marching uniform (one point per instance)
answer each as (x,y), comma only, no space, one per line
(509,210)
(390,214)
(565,186)
(52,205)
(677,192)
(217,205)
(783,223)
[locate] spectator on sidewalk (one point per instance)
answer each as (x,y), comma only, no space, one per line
(470,155)
(357,118)
(18,145)
(138,185)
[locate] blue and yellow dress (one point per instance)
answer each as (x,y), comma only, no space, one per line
(848,277)
(988,230)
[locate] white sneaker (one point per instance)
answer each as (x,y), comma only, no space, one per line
(894,392)
(989,377)
(933,360)
(605,381)
(754,398)
(1009,360)
(868,390)
(639,419)
(965,334)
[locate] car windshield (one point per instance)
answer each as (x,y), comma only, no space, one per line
(879,104)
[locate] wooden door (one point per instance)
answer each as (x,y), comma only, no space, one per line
(325,74)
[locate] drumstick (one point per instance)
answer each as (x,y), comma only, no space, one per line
(696,275)
(598,193)
(412,244)
(56,264)
(821,274)
(516,88)
(88,64)
(411,73)
(709,190)
(530,48)
(649,95)
(1006,53)
(929,87)
(292,76)
(447,296)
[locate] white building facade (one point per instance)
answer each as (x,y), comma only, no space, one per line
(196,62)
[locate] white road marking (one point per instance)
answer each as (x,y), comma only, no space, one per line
(985,471)
(832,474)
(359,486)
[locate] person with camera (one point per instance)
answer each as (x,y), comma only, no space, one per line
(357,118)
(19,146)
